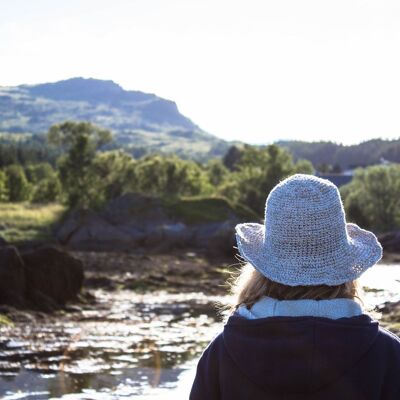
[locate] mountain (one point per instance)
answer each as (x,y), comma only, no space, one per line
(141,122)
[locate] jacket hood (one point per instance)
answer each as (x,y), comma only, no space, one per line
(297,354)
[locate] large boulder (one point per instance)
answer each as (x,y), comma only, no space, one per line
(165,237)
(86,230)
(223,239)
(138,221)
(137,208)
(12,277)
(52,273)
(3,242)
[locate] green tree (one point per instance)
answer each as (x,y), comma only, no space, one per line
(38,172)
(168,176)
(69,134)
(44,181)
(372,198)
(4,195)
(110,170)
(232,158)
(17,185)
(258,171)
(47,190)
(304,167)
(80,140)
(217,172)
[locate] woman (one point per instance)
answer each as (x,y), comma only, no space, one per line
(297,331)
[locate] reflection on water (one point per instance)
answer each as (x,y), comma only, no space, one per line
(128,345)
(384,280)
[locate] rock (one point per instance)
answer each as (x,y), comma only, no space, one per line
(202,234)
(137,208)
(390,308)
(52,273)
(103,282)
(390,241)
(3,242)
(223,240)
(42,302)
(85,230)
(391,316)
(216,237)
(166,237)
(73,308)
(42,279)
(12,277)
(135,221)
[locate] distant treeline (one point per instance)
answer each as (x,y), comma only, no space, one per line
(325,156)
(72,165)
(86,176)
(332,157)
(26,149)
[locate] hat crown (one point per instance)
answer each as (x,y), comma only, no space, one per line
(305,239)
(304,215)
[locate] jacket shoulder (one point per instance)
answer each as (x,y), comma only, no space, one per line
(215,347)
(389,338)
(388,346)
(206,384)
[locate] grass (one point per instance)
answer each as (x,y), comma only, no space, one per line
(24,222)
(207,209)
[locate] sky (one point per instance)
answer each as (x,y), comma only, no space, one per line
(254,70)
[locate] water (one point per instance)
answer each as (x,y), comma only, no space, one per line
(127,345)
(384,280)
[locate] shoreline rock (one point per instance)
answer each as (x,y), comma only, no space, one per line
(135,221)
(45,278)
(390,241)
(391,316)
(12,277)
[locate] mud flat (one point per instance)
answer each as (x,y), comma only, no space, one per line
(179,272)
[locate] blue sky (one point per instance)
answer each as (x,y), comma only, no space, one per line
(254,70)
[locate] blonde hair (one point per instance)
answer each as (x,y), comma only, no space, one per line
(249,286)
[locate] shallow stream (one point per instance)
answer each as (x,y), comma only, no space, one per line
(141,346)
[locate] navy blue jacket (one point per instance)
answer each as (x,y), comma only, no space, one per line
(295,358)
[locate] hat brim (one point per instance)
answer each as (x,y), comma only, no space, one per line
(362,252)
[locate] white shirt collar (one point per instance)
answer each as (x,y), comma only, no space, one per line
(333,309)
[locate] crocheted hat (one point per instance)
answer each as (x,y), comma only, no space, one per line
(305,239)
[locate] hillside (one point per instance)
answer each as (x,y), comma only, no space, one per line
(141,122)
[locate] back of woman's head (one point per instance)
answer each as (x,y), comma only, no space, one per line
(250,286)
(305,249)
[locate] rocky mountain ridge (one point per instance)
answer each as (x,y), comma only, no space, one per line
(141,122)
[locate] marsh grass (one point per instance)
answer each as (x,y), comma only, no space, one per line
(24,222)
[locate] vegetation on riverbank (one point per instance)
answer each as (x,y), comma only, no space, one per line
(372,198)
(86,176)
(24,222)
(207,209)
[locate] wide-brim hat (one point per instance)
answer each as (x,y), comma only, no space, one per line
(305,239)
